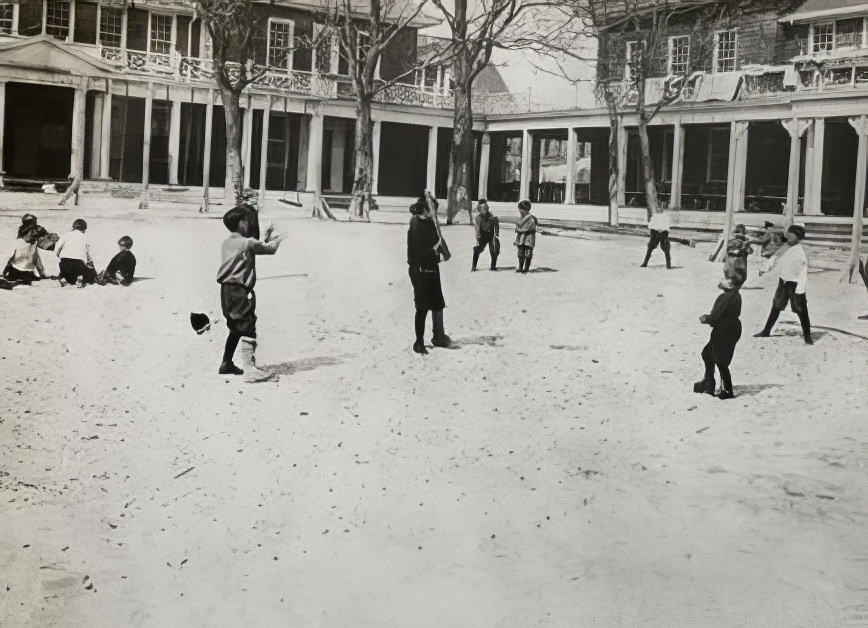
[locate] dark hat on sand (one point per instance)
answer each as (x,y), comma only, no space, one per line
(799,230)
(79,224)
(525,205)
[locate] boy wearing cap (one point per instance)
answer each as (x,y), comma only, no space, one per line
(121,269)
(725,333)
(76,264)
(792,284)
(525,236)
(487,231)
(237,277)
(659,227)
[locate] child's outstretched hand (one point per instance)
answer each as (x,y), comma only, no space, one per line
(703,318)
(269,232)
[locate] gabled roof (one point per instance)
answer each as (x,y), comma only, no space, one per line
(47,53)
(814,10)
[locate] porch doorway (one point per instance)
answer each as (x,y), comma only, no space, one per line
(38,123)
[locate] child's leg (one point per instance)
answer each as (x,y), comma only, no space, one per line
(725,378)
(799,304)
(707,383)
(665,246)
(419,323)
(528,255)
(231,344)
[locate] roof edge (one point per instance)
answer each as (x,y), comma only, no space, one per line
(810,16)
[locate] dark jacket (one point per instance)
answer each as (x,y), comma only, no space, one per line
(725,325)
(421,239)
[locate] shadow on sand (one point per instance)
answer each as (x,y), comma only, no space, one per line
(306,364)
(751,390)
(490,341)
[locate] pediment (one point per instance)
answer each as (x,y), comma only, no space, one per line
(46,53)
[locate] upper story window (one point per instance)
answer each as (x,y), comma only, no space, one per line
(160,40)
(8,24)
(838,35)
(632,60)
(848,33)
(679,55)
(726,50)
(823,37)
(57,18)
(280,34)
(111,22)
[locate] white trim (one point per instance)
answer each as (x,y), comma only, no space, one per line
(291,53)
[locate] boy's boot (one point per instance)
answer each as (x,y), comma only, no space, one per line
(647,257)
(229,368)
(668,259)
(770,323)
(494,262)
(726,394)
(706,385)
(527,259)
(475,259)
(252,374)
(440,339)
(520,263)
(419,324)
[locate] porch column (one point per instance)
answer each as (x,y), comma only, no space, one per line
(484,165)
(206,154)
(96,134)
(740,174)
(814,168)
(622,164)
(375,141)
(174,141)
(431,173)
(524,182)
(78,132)
(246,142)
(860,124)
(795,128)
(146,148)
(2,127)
(106,134)
(570,182)
(677,166)
(314,154)
(263,152)
(736,130)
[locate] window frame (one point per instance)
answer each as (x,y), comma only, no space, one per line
(13,26)
(151,39)
(629,69)
(121,14)
(670,61)
(70,18)
(291,49)
(717,57)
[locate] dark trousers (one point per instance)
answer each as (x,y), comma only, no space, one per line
(487,239)
(786,293)
(708,359)
(24,276)
(660,238)
(71,269)
(525,254)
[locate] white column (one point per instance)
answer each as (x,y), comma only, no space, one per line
(795,128)
(106,134)
(484,165)
(740,174)
(206,154)
(263,152)
(78,132)
(524,182)
(570,182)
(677,166)
(174,141)
(246,142)
(622,163)
(814,169)
(2,127)
(314,154)
(860,124)
(146,148)
(431,171)
(96,134)
(733,201)
(375,140)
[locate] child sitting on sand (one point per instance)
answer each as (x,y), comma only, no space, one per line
(76,264)
(24,265)
(725,333)
(121,269)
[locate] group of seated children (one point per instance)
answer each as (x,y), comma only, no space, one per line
(24,265)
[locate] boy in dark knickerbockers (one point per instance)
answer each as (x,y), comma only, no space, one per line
(725,333)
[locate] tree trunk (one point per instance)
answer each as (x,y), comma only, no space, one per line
(461,158)
(234,173)
(645,149)
(614,164)
(364,161)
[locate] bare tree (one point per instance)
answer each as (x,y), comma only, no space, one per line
(363,32)
(234,28)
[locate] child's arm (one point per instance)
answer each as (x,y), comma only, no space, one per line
(802,283)
(716,311)
(714,255)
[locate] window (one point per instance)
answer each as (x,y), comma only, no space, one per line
(280,43)
(679,55)
(725,50)
(718,155)
(111,23)
(848,33)
(7,17)
(823,37)
(632,60)
(161,34)
(57,19)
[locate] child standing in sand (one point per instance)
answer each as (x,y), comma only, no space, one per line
(725,333)
(525,236)
(237,277)
(76,264)
(659,226)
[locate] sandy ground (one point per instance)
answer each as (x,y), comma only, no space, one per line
(553,469)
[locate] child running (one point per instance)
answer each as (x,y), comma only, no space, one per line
(237,277)
(76,264)
(525,236)
(725,333)
(121,269)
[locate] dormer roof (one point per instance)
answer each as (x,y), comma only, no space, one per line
(817,10)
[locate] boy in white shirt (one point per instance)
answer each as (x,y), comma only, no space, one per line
(76,264)
(659,227)
(24,264)
(792,284)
